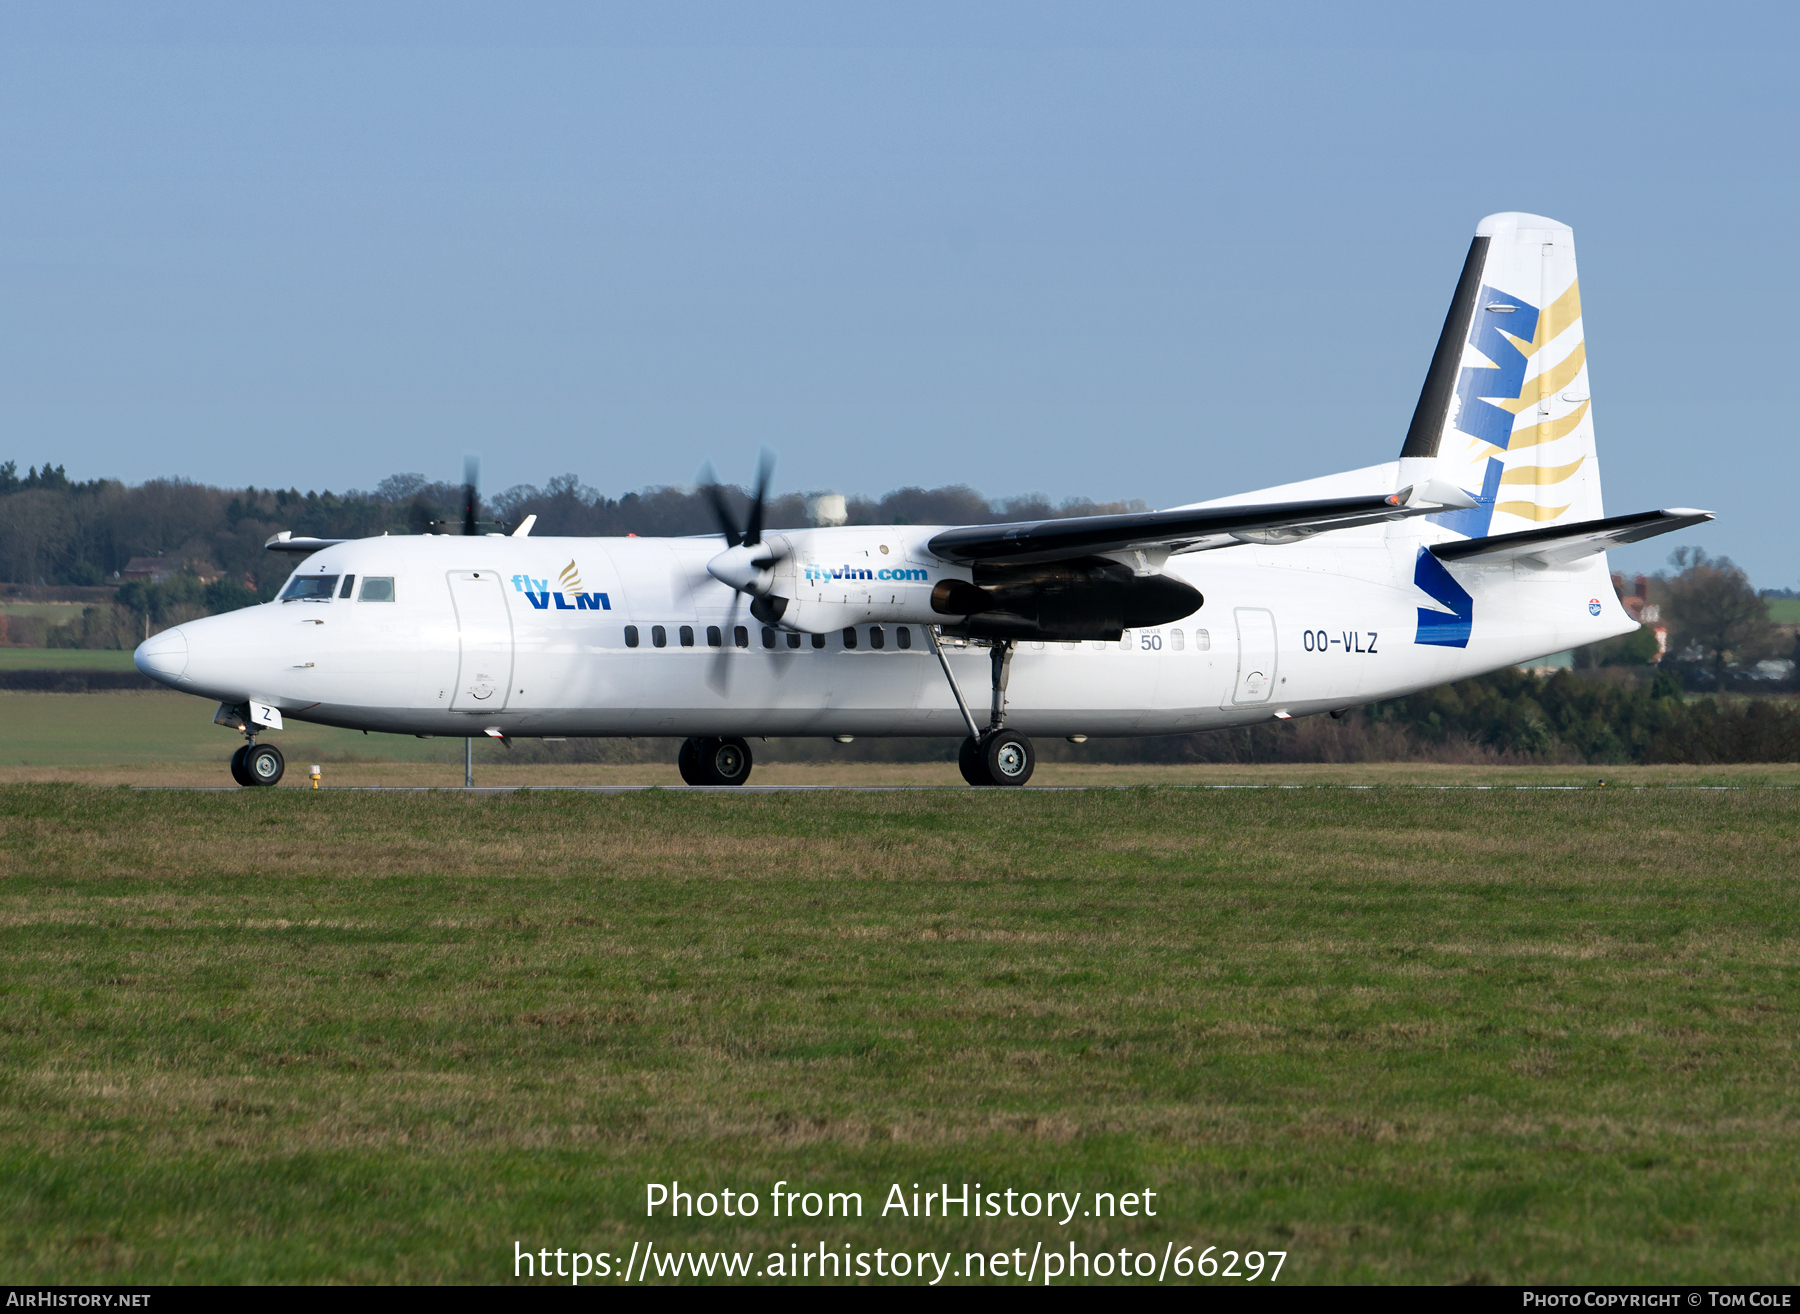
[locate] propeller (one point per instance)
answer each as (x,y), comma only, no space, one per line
(746,565)
(471,495)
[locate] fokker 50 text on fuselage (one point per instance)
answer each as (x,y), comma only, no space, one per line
(1483,545)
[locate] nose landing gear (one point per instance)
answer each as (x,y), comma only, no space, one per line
(257,765)
(714,761)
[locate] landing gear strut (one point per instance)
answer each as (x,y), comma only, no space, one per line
(714,761)
(996,755)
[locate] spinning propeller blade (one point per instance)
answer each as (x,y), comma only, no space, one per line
(751,533)
(719,675)
(735,574)
(471,495)
(765,467)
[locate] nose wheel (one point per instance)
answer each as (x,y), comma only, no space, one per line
(714,761)
(256,765)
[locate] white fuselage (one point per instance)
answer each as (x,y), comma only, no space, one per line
(529,637)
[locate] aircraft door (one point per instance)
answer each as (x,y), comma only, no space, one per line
(485,635)
(1256,656)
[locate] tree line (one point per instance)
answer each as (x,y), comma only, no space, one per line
(55,531)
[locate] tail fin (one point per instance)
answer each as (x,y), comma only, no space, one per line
(1505,411)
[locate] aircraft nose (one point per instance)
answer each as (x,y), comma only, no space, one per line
(163,656)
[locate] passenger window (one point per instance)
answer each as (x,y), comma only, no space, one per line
(377,588)
(903,636)
(659,636)
(631,637)
(1125,641)
(1037,647)
(768,636)
(713,638)
(740,636)
(818,640)
(349,582)
(793,640)
(876,638)
(1175,640)
(310,588)
(687,636)
(1202,641)
(849,637)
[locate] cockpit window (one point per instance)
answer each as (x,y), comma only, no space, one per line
(310,588)
(378,588)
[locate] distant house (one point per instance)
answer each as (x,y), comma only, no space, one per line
(1637,604)
(154,570)
(149,570)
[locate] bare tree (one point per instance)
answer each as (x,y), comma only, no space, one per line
(1713,607)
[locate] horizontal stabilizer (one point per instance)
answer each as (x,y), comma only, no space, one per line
(1562,544)
(286,542)
(1188,530)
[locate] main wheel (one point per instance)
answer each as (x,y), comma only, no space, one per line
(237,766)
(968,761)
(724,761)
(1008,757)
(264,765)
(687,761)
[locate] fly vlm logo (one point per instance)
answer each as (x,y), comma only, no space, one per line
(538,591)
(901,573)
(1498,320)
(1509,331)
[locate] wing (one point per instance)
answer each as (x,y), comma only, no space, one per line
(1190,530)
(1566,543)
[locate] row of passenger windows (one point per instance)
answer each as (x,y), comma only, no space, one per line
(1150,641)
(1147,640)
(771,638)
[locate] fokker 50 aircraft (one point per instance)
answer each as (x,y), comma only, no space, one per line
(1483,545)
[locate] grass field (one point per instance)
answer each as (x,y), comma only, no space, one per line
(57,613)
(130,728)
(64,659)
(1784,611)
(1402,1035)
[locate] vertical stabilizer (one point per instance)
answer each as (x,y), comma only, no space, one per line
(1505,410)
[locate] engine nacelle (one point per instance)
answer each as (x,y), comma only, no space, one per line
(830,579)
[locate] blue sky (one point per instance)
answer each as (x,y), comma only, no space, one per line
(1114,250)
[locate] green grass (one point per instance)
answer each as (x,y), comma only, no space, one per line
(153,726)
(64,659)
(57,613)
(1784,611)
(1404,1036)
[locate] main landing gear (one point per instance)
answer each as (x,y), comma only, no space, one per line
(257,764)
(714,761)
(999,757)
(996,755)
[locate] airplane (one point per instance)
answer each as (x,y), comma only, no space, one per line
(1481,546)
